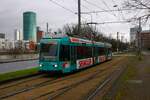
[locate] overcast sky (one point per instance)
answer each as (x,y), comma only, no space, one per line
(11,15)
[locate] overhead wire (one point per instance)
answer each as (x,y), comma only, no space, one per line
(104,11)
(113,2)
(121,14)
(65,8)
(108,7)
(111,22)
(54,2)
(119,9)
(89,10)
(73,6)
(85,7)
(101,18)
(95,5)
(71,11)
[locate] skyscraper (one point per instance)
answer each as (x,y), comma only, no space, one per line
(29,26)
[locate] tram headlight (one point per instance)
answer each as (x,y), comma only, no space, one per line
(55,65)
(40,65)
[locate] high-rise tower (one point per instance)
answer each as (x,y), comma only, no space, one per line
(29,26)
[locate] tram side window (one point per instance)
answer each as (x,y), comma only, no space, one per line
(80,52)
(84,52)
(95,51)
(89,52)
(64,53)
(101,51)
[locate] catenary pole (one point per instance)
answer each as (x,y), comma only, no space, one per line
(139,35)
(79,16)
(117,42)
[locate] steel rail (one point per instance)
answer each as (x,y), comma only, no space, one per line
(105,82)
(66,88)
(63,89)
(23,81)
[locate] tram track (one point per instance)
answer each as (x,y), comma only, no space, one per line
(107,77)
(52,81)
(102,88)
(14,83)
(61,91)
(27,88)
(90,78)
(64,89)
(49,82)
(101,85)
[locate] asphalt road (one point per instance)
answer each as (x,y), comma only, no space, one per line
(13,66)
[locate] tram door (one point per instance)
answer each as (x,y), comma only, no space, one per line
(73,56)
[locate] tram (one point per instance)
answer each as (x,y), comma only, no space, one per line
(68,54)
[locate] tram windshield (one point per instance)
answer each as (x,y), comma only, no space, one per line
(48,51)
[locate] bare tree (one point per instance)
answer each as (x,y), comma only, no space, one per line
(139,5)
(85,31)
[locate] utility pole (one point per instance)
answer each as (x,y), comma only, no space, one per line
(47,28)
(117,41)
(139,36)
(122,37)
(79,16)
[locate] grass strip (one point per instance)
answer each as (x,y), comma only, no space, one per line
(18,74)
(120,86)
(129,74)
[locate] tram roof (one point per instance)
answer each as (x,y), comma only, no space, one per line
(80,41)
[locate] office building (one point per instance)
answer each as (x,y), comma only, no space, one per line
(29,26)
